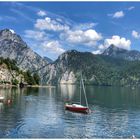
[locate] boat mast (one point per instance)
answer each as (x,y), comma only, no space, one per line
(80,92)
(84,90)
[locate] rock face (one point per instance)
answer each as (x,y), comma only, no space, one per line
(68,78)
(8,75)
(68,67)
(13,47)
(59,71)
(116,52)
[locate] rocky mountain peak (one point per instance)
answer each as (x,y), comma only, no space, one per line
(112,50)
(12,46)
(9,35)
(6,31)
(73,54)
(71,51)
(116,52)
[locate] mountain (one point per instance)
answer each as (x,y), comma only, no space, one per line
(114,67)
(48,59)
(116,52)
(96,69)
(12,46)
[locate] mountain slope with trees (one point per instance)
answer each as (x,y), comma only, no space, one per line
(10,73)
(96,69)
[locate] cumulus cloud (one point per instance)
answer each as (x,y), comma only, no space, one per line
(53,47)
(36,35)
(41,13)
(97,52)
(50,24)
(102,47)
(72,34)
(88,37)
(131,8)
(135,34)
(42,42)
(118,14)
(118,41)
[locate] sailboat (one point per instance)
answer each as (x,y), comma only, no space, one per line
(1,98)
(75,107)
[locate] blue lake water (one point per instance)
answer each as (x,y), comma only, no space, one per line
(40,113)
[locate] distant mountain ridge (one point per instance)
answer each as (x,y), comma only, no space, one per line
(48,59)
(96,69)
(115,66)
(116,52)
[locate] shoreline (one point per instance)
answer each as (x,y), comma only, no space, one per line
(54,86)
(47,86)
(9,86)
(3,85)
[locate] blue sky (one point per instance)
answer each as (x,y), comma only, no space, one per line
(51,28)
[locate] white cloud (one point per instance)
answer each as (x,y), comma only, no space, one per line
(59,19)
(118,14)
(131,8)
(118,41)
(42,42)
(97,52)
(41,13)
(50,24)
(102,47)
(53,47)
(135,34)
(84,26)
(36,35)
(88,37)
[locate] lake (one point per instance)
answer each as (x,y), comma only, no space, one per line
(40,113)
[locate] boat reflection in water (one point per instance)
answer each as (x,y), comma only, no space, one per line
(1,106)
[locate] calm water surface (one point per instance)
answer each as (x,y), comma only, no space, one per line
(39,113)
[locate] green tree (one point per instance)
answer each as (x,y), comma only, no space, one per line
(36,78)
(28,78)
(15,82)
